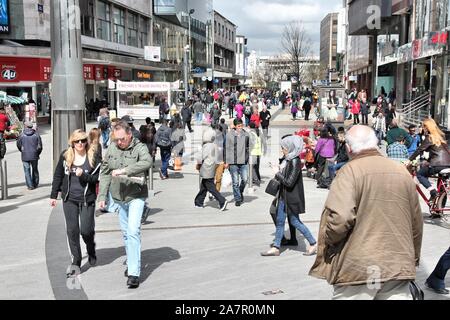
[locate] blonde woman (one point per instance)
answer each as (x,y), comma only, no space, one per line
(439,159)
(76,176)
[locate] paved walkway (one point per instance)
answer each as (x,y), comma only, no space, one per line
(187,253)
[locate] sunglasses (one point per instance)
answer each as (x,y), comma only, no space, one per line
(84,141)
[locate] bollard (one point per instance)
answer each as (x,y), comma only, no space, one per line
(250,176)
(4,179)
(151,191)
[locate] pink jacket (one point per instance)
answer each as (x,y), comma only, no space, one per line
(239,110)
(356,107)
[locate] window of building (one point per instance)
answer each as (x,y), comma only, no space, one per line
(223,31)
(87,18)
(103,21)
(219,28)
(132,29)
(164,6)
(119,25)
(215,27)
(143,32)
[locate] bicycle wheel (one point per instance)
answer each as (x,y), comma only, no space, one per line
(440,206)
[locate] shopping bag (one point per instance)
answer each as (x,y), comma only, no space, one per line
(226,179)
(171,164)
(178,164)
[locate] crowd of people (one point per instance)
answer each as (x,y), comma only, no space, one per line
(107,169)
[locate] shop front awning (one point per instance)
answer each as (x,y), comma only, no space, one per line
(217,75)
(10,99)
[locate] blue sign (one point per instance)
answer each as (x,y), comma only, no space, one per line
(216,81)
(4,16)
(198,70)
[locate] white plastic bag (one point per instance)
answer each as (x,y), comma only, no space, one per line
(226,179)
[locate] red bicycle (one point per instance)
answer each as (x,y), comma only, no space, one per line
(438,208)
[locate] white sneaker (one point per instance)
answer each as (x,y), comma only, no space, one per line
(224,207)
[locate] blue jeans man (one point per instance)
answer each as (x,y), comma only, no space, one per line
(239,176)
(295,221)
(165,157)
(130,215)
(199,118)
(436,280)
(31,174)
(333,168)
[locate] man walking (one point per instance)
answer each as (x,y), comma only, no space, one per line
(127,161)
(237,154)
(164,142)
(30,145)
(198,110)
(186,114)
(370,236)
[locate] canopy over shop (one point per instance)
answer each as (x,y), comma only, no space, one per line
(142,99)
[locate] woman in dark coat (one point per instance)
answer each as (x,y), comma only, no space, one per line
(291,197)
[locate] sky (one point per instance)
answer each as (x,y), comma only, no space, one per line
(262,21)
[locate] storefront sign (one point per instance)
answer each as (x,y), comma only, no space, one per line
(88,72)
(14,69)
(432,44)
(143,86)
(152,53)
(4,17)
(141,75)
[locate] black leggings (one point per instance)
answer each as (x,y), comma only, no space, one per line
(79,220)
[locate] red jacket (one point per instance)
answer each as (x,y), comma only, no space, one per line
(356,107)
(4,122)
(256,119)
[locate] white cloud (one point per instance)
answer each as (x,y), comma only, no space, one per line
(262,22)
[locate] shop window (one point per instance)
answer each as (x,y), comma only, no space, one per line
(143,32)
(132,29)
(103,21)
(119,25)
(87,18)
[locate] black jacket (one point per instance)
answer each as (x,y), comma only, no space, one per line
(439,156)
(61,180)
(342,154)
(265,118)
(291,188)
(186,113)
(30,145)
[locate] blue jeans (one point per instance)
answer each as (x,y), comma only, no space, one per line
(130,215)
(199,117)
(295,221)
(31,173)
(436,279)
(111,206)
(165,157)
(424,173)
(332,168)
(237,170)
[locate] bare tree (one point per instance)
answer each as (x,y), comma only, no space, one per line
(296,44)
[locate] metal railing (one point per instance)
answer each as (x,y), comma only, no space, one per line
(4,179)
(415,111)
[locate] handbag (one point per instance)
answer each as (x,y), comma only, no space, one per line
(273,207)
(273,187)
(416,291)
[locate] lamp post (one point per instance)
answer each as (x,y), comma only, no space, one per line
(186,72)
(191,12)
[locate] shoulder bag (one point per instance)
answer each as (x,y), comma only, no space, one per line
(273,187)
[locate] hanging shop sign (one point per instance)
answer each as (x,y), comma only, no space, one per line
(4,17)
(141,75)
(88,72)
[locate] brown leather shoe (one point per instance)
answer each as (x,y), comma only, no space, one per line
(273,252)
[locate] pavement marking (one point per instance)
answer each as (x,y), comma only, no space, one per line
(203,226)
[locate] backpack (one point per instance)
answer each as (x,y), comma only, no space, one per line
(248,111)
(104,123)
(164,140)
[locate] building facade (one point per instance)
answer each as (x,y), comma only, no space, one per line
(328,45)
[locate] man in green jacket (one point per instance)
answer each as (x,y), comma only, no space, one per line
(123,175)
(395,132)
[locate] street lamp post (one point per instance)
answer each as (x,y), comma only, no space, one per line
(68,96)
(186,73)
(191,12)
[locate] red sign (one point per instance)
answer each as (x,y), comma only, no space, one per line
(440,38)
(88,72)
(417,49)
(99,73)
(16,69)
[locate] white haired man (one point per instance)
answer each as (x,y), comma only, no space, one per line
(371,228)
